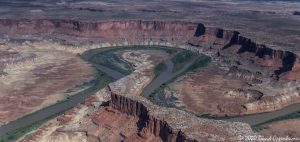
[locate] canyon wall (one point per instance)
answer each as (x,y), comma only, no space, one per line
(175,125)
(147,122)
(281,61)
(286,58)
(222,44)
(154,32)
(133,32)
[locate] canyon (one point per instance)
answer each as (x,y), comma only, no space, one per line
(131,117)
(269,78)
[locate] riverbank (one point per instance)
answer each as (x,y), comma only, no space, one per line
(28,123)
(6,135)
(163,77)
(174,70)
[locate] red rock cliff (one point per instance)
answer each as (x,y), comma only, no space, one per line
(171,124)
(137,32)
(148,123)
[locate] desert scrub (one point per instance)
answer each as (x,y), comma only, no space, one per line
(201,61)
(158,96)
(112,60)
(16,134)
(181,58)
(261,126)
(100,82)
(160,68)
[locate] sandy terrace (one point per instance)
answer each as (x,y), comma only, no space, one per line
(210,91)
(144,62)
(283,128)
(143,57)
(34,83)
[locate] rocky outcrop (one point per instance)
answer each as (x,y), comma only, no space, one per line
(286,58)
(272,103)
(249,95)
(147,123)
(174,125)
(296,13)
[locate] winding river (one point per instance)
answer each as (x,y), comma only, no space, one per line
(255,119)
(164,77)
(62,106)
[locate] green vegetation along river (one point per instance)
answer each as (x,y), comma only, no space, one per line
(164,74)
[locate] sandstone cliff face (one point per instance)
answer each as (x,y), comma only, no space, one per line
(137,32)
(283,61)
(174,125)
(147,122)
(272,103)
(69,26)
(286,58)
(133,32)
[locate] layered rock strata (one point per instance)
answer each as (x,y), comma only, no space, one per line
(252,61)
(178,33)
(174,125)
